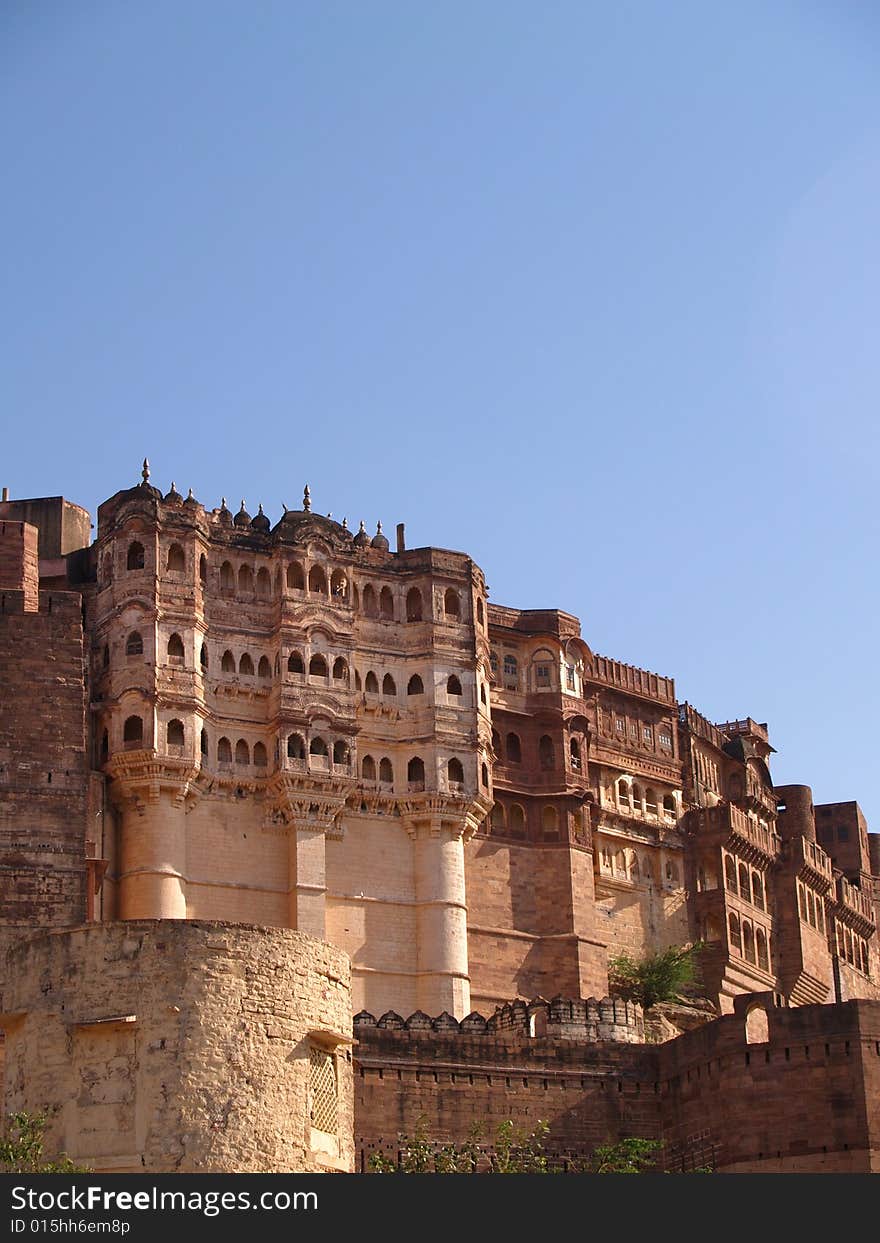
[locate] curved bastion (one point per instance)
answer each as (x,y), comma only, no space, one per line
(171,1045)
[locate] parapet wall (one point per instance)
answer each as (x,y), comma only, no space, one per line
(171,1045)
(563,1018)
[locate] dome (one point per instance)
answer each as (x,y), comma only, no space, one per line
(190,500)
(379,541)
(173,497)
(242,518)
(261,522)
(362,540)
(224,517)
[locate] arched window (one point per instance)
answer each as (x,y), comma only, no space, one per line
(734,936)
(479,611)
(264,591)
(497,819)
(368,768)
(295,577)
(176,560)
(264,669)
(295,663)
(574,751)
(517,821)
(340,752)
(386,604)
(636,797)
(105,657)
(203,656)
(203,742)
(318,747)
(242,752)
(371,608)
(453,686)
(224,751)
(227,578)
(246,581)
(227,663)
(623,793)
(371,684)
(386,772)
(451,603)
(246,665)
(761,949)
(174,734)
(669,805)
(757,890)
(296,748)
(388,686)
(134,644)
(745,888)
(203,569)
(260,757)
(415,773)
(415,686)
(730,874)
(413,605)
(514,749)
(546,754)
(317,667)
(175,649)
(511,672)
(484,775)
(133,730)
(651,802)
(550,823)
(455,772)
(135,558)
(338,585)
(340,670)
(317,580)
(748,942)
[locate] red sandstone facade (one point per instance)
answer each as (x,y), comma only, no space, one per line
(210,717)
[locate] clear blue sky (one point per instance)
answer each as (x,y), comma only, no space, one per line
(587,290)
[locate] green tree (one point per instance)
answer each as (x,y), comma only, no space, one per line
(627,1156)
(515,1151)
(656,976)
(21,1149)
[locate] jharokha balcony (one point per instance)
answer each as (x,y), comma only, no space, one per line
(751,839)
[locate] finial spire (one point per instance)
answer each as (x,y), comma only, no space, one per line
(345,524)
(189,495)
(145,473)
(362,527)
(284,507)
(379,527)
(173,486)
(222,502)
(307,499)
(260,509)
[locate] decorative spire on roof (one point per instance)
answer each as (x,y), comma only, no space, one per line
(145,473)
(345,524)
(307,499)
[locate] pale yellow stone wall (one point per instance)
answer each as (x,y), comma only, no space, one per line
(161,1046)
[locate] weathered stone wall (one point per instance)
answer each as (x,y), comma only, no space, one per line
(162,1045)
(44,779)
(763,1090)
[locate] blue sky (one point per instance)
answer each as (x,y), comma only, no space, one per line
(589,291)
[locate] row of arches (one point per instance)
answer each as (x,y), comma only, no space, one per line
(749,942)
(632,797)
(512,753)
(811,908)
(509,820)
(383,773)
(748,884)
(852,948)
(628,864)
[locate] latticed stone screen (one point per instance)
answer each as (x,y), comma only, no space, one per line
(322,1090)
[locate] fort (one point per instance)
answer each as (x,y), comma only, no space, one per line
(302,839)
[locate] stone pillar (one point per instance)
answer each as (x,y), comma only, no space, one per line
(152,875)
(308,880)
(443,977)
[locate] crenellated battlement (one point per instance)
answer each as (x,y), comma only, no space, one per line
(562,1018)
